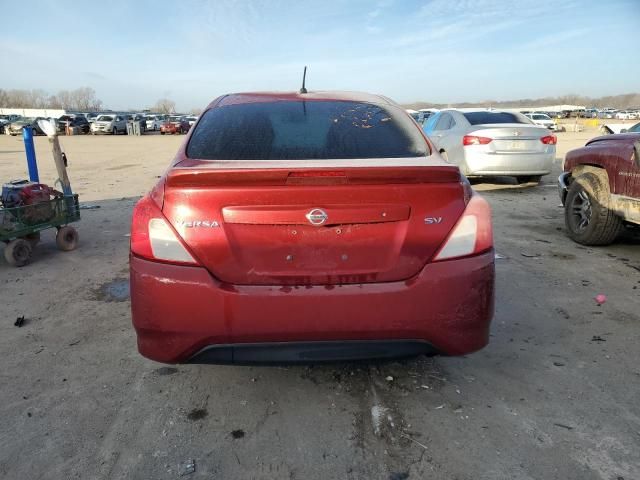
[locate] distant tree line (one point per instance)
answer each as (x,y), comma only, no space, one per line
(628,100)
(164,105)
(82,99)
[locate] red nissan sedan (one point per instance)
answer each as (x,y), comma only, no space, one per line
(304,227)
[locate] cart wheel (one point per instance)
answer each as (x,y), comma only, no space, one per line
(67,239)
(33,239)
(18,252)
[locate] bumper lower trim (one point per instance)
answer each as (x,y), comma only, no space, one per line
(277,353)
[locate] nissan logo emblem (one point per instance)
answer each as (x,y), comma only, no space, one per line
(317,216)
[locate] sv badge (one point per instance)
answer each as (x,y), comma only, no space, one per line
(432,220)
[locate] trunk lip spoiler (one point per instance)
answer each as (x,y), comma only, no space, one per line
(392,162)
(211,177)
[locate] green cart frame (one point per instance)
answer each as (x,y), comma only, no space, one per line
(20,227)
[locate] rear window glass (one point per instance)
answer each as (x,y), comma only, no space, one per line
(481,118)
(297,130)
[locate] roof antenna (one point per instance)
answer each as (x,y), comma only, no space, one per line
(304,78)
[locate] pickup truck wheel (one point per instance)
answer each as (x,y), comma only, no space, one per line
(18,252)
(587,216)
(529,179)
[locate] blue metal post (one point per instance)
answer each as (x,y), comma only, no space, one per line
(27,135)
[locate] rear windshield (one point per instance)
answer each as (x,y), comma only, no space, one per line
(481,118)
(297,130)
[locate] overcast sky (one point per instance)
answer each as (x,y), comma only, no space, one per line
(134,52)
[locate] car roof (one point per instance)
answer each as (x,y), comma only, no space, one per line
(262,97)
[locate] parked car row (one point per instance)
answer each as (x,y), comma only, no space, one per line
(610,113)
(101,123)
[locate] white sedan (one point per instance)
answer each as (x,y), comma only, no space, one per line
(542,120)
(154,122)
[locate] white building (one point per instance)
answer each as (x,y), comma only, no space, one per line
(550,108)
(34,112)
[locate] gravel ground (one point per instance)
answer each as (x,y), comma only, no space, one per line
(554,396)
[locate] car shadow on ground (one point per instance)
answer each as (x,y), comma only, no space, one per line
(485,184)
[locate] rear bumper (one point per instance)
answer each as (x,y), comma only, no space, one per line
(180,312)
(480,164)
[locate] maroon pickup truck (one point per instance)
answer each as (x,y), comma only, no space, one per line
(600,188)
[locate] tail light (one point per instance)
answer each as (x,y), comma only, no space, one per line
(473,140)
(152,236)
(472,234)
(549,140)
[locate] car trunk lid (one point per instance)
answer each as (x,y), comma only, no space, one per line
(513,137)
(319,226)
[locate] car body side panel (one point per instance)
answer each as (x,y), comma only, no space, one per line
(612,153)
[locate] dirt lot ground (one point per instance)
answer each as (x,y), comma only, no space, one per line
(556,394)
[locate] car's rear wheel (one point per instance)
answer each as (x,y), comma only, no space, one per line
(529,179)
(588,219)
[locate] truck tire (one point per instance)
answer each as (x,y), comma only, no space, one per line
(587,216)
(67,239)
(18,252)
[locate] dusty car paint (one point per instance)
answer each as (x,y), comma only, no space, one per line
(259,270)
(615,156)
